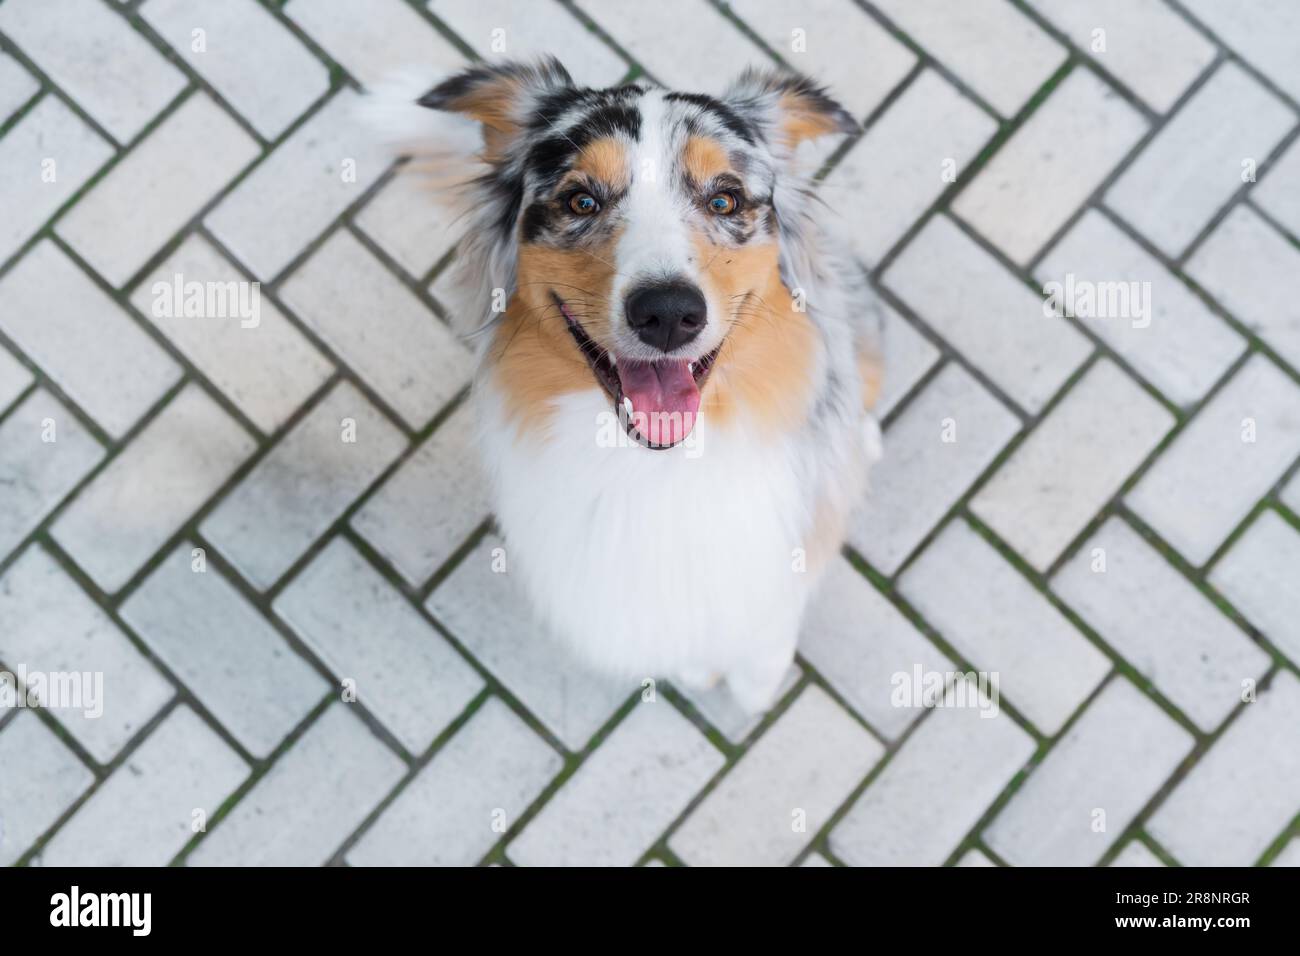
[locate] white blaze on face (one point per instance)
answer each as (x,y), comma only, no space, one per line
(655,244)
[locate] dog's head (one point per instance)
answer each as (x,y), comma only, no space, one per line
(643,227)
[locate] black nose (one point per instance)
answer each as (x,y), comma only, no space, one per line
(666,316)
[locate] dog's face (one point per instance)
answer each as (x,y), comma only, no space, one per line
(647,228)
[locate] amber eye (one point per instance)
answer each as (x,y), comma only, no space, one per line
(724,204)
(584,204)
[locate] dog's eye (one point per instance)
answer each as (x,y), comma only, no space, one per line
(723,204)
(584,204)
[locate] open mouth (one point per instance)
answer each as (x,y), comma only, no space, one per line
(657,402)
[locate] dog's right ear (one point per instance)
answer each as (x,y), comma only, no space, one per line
(501,96)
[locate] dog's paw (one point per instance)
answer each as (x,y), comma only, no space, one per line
(875,443)
(755,690)
(699,679)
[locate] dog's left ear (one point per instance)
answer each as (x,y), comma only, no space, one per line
(501,96)
(787,107)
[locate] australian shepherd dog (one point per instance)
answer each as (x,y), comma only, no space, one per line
(676,365)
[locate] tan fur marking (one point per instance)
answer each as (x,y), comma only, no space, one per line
(606,161)
(704,158)
(765,366)
(827,534)
(800,123)
(491,104)
(872,372)
(534,356)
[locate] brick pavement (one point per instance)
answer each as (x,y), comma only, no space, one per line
(305,655)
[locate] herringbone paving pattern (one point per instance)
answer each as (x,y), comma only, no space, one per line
(265,531)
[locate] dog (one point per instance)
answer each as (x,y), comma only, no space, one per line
(675,363)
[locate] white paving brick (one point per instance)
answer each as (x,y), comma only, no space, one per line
(860,642)
(815,859)
(221,648)
(443,289)
(1158,622)
(1179,345)
(908,355)
(310,478)
(366,632)
(498,29)
(48,625)
(829,40)
(324,166)
(1240,795)
(1205,483)
(42,778)
(1035,182)
(987,313)
(1259,575)
(144,814)
(896,171)
(112,72)
(433,501)
(157,188)
(37,474)
(1279,191)
(171,468)
(457,808)
(488,614)
(374,39)
(254,62)
(1290,855)
(1250,268)
(416,242)
(378,327)
(47,157)
(993,47)
(624,795)
(999,622)
(921,475)
(82,339)
(261,363)
(310,800)
(1291,495)
(1136,854)
(14,378)
(1269,37)
(678,42)
(934,790)
(1195,163)
(1064,472)
(1148,47)
(1112,760)
(17,86)
(783,790)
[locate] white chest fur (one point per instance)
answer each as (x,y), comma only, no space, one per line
(652,563)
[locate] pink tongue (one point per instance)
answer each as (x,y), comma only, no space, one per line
(664,399)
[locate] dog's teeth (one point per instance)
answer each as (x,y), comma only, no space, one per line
(690,367)
(627,403)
